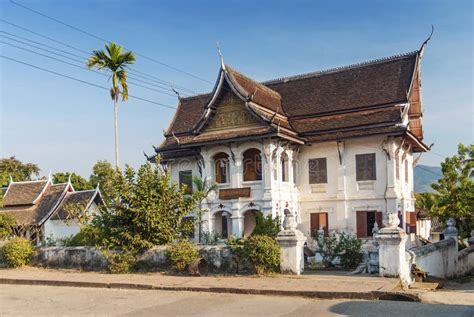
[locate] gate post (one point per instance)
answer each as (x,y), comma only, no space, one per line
(291,242)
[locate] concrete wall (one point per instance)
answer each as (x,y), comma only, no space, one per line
(442,259)
(220,259)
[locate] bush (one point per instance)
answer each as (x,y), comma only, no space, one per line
(7,222)
(345,246)
(266,226)
(88,236)
(263,252)
(181,254)
(329,247)
(17,252)
(351,247)
(119,262)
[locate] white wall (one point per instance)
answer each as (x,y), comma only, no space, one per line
(60,229)
(341,197)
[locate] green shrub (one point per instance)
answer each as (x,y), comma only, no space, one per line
(263,252)
(266,226)
(88,236)
(345,246)
(351,247)
(180,254)
(17,252)
(329,248)
(7,222)
(119,262)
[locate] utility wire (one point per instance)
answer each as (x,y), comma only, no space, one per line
(87,54)
(82,67)
(105,40)
(84,82)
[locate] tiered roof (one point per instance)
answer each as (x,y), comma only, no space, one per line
(34,202)
(356,100)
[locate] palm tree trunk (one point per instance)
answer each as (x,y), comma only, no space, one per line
(117,163)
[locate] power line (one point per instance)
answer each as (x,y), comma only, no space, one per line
(72,54)
(84,82)
(81,62)
(105,40)
(131,69)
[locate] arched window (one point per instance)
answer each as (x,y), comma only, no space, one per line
(284,167)
(221,168)
(252,165)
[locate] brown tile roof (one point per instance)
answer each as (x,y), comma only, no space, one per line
(256,92)
(349,101)
(23,193)
(83,198)
(378,82)
(35,214)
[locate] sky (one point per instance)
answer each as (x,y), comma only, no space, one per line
(64,125)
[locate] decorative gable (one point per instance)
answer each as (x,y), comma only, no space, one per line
(231,113)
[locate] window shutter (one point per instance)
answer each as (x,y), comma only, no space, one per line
(365,167)
(379,219)
(323,221)
(318,171)
(314,224)
(361,223)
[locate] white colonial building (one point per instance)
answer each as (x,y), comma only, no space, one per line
(335,148)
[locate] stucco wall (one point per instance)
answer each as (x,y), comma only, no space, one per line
(438,259)
(60,229)
(341,197)
(220,259)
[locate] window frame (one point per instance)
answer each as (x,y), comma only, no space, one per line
(254,161)
(318,174)
(359,159)
(217,159)
(189,189)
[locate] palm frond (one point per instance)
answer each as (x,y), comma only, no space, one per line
(122,76)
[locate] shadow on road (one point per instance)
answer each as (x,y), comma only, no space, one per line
(392,308)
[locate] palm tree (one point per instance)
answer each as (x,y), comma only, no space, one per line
(115,60)
(204,188)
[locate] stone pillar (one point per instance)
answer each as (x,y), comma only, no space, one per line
(237,226)
(393,260)
(291,242)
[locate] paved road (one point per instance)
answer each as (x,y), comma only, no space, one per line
(19,300)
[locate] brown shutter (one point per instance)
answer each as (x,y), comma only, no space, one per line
(314,224)
(413,223)
(361,223)
(323,221)
(379,219)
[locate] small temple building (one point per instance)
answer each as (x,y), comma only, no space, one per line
(335,147)
(40,208)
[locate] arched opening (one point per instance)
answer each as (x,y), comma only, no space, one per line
(284,167)
(252,165)
(250,221)
(223,224)
(221,168)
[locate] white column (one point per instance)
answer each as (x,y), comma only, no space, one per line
(237,226)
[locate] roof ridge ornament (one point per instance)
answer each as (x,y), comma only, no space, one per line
(422,48)
(220,55)
(176,92)
(11,178)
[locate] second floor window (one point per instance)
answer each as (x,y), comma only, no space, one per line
(406,171)
(284,167)
(318,173)
(221,168)
(365,167)
(186,179)
(252,165)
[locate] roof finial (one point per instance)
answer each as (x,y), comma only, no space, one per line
(422,48)
(220,55)
(176,92)
(11,178)
(147,157)
(50,176)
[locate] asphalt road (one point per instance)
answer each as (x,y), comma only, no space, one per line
(19,300)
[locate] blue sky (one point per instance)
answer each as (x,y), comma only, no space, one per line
(64,125)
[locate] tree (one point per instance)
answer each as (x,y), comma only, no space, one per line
(204,188)
(145,209)
(115,60)
(77,181)
(17,170)
(455,190)
(103,175)
(425,201)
